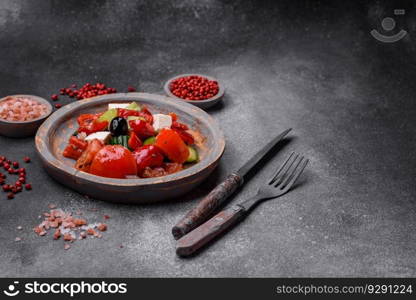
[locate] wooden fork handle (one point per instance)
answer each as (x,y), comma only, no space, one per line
(207,206)
(199,237)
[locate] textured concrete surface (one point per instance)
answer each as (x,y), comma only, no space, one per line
(313,67)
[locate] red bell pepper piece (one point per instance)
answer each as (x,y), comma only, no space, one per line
(75,148)
(147,114)
(72,151)
(93,127)
(86,119)
(173,116)
(124,113)
(148,156)
(142,128)
(178,125)
(80,144)
(185,136)
(144,113)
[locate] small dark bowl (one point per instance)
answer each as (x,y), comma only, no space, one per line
(204,104)
(26,128)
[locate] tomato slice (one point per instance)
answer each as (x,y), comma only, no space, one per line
(113,161)
(172,145)
(84,161)
(134,142)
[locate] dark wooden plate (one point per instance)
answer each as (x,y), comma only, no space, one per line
(53,135)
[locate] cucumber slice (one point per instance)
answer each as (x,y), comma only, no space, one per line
(193,155)
(134,106)
(120,140)
(108,115)
(149,141)
(126,141)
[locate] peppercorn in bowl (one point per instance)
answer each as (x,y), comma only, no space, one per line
(200,90)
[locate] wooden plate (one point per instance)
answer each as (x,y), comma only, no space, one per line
(52,138)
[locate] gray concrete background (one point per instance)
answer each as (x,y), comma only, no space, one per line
(313,67)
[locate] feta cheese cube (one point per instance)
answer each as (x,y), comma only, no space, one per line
(161,121)
(117,105)
(99,135)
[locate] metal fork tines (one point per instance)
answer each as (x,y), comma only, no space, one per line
(281,181)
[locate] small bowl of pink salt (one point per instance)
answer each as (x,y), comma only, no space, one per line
(21,115)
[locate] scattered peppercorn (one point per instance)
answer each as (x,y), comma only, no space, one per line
(54,97)
(12,167)
(58,105)
(88,90)
(131,89)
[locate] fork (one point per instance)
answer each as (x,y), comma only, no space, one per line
(279,184)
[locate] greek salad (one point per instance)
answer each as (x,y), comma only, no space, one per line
(128,141)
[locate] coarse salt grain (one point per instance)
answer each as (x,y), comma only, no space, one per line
(67,226)
(20,109)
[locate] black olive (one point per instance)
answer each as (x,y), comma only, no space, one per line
(118,126)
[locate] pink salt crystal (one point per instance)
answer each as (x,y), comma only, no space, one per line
(17,109)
